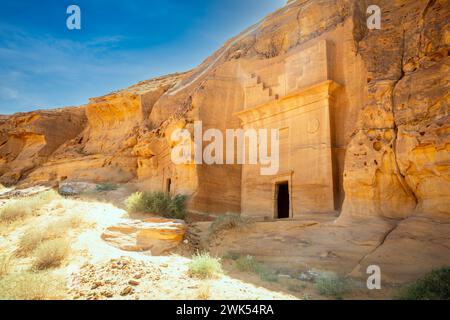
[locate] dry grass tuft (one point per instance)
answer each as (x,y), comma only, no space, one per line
(203,266)
(31,286)
(19,209)
(204,292)
(33,237)
(50,254)
(14,211)
(41,199)
(226,222)
(5,265)
(29,241)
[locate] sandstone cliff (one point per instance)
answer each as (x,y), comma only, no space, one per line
(398,159)
(390,137)
(29,140)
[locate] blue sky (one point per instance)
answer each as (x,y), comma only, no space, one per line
(45,65)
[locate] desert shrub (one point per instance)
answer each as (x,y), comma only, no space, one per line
(73,221)
(31,286)
(135,202)
(33,236)
(19,209)
(332,285)
(204,266)
(60,227)
(158,203)
(231,255)
(267,275)
(56,229)
(50,254)
(226,222)
(14,211)
(41,199)
(249,264)
(433,286)
(5,265)
(177,207)
(29,241)
(106,187)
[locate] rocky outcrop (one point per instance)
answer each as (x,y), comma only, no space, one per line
(388,116)
(398,162)
(27,140)
(103,151)
(76,188)
(155,235)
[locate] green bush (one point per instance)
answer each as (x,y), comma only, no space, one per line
(106,187)
(267,275)
(177,207)
(204,266)
(135,203)
(158,203)
(331,285)
(433,286)
(248,264)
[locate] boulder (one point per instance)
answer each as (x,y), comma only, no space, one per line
(156,235)
(76,188)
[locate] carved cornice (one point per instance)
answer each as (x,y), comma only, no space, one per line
(298,99)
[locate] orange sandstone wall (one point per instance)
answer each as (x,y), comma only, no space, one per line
(388,118)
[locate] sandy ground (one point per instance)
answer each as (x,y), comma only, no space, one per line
(96,270)
(91,270)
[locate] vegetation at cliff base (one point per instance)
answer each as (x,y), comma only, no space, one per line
(332,285)
(160,203)
(249,264)
(103,187)
(433,286)
(226,222)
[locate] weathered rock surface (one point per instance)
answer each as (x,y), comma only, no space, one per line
(398,162)
(103,151)
(76,188)
(156,235)
(388,146)
(27,140)
(403,251)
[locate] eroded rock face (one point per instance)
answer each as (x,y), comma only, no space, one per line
(156,235)
(103,151)
(27,140)
(397,163)
(389,117)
